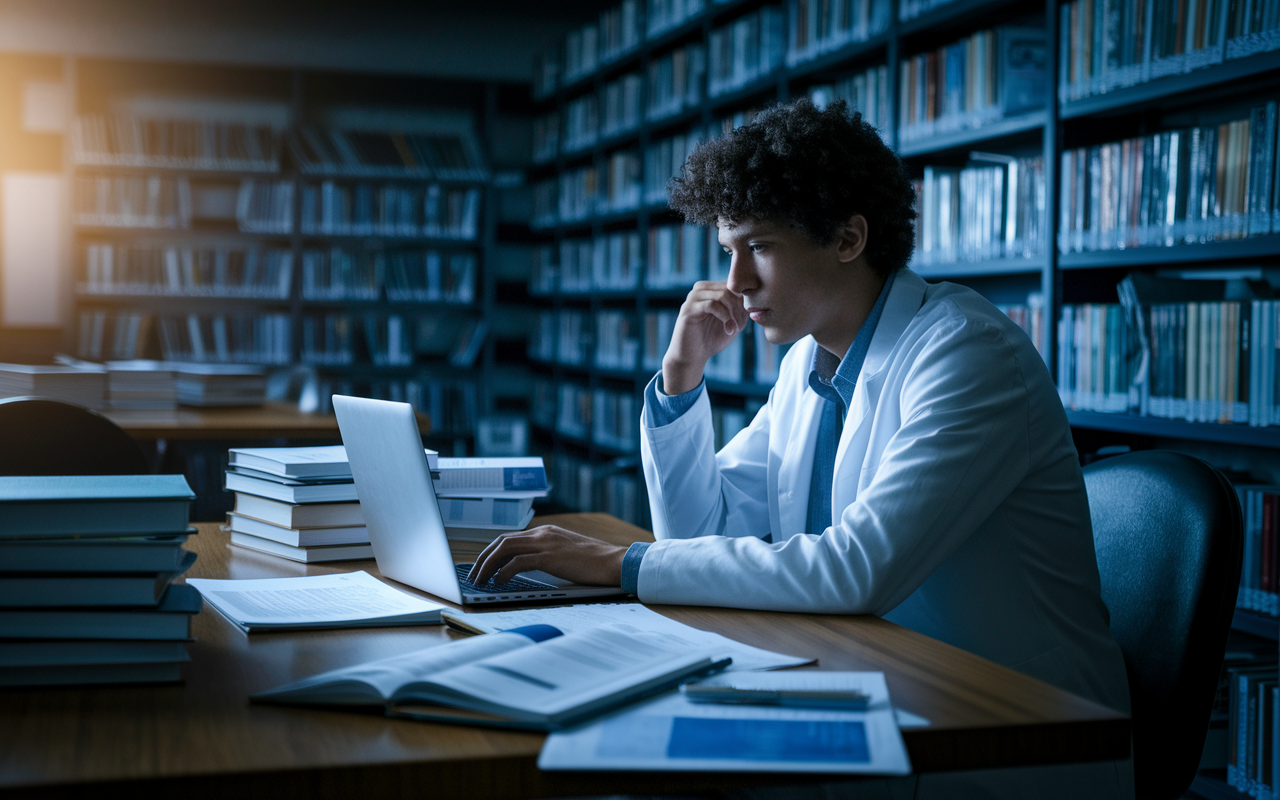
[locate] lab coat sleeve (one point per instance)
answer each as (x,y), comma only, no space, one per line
(693,491)
(960,449)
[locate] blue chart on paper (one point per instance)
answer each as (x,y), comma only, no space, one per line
(768,740)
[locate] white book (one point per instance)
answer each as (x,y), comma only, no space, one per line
(533,677)
(348,600)
(298,537)
(306,555)
(292,493)
(302,462)
(292,515)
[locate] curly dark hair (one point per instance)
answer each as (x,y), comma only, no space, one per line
(812,168)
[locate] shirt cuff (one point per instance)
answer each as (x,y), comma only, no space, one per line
(631,566)
(664,409)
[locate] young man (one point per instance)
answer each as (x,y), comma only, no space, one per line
(913,460)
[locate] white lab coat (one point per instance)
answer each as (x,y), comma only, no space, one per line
(958,506)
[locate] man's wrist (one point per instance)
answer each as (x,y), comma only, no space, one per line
(679,377)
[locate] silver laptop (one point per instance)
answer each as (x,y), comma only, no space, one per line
(399,505)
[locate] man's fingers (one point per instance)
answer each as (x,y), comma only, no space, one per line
(518,564)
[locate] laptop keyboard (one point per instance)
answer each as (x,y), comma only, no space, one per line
(517,584)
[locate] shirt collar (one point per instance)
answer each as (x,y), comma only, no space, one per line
(835,379)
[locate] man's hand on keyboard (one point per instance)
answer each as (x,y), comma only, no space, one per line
(565,554)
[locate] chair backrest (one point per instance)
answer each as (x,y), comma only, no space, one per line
(1167,530)
(39,436)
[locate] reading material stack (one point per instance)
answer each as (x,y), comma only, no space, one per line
(301,503)
(87,565)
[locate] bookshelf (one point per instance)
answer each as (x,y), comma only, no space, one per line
(1056,98)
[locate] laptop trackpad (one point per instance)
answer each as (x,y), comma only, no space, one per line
(539,575)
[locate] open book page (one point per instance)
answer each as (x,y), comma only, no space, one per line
(572,673)
(635,615)
(375,683)
(316,601)
(671,733)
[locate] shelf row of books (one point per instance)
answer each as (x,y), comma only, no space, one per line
(185,270)
(1196,361)
(985,77)
(452,403)
(127,141)
(132,201)
(993,208)
(1105,46)
(1253,725)
(388,340)
(226,338)
(747,48)
(611,262)
(1260,569)
(213,145)
(583,485)
(605,417)
(1182,186)
(87,571)
(620,341)
(866,92)
(1032,317)
(429,276)
(366,209)
(364,153)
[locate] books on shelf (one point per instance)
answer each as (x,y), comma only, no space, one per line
(617,343)
(87,565)
(434,210)
(979,80)
(211,385)
(728,364)
(658,327)
(1252,725)
(664,160)
(546,137)
(227,338)
(768,356)
(910,9)
(573,411)
(581,52)
(119,335)
(578,194)
(532,677)
(1183,186)
(265,206)
(171,270)
(127,141)
(542,338)
(725,424)
(469,344)
(593,486)
(314,602)
(581,123)
(452,403)
(621,29)
(544,274)
(664,15)
(388,339)
(815,27)
(992,209)
(132,201)
(546,204)
(1260,568)
(85,385)
(613,420)
(574,338)
(546,73)
(676,81)
(1030,316)
(341,274)
(677,256)
(327,340)
(745,50)
(866,92)
(365,153)
(610,262)
(621,101)
(620,189)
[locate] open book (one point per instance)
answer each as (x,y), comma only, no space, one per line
(533,677)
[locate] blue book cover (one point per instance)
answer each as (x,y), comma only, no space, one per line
(70,506)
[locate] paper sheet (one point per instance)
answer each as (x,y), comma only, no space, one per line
(581,617)
(673,734)
(312,601)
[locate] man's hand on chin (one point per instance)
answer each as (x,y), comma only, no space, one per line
(565,554)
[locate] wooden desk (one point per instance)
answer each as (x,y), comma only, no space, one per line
(203,739)
(267,421)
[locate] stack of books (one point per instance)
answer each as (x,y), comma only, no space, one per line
(141,384)
(300,503)
(221,384)
(82,384)
(87,565)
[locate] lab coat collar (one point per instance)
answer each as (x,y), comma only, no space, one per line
(905,298)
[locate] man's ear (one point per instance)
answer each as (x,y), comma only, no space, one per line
(851,239)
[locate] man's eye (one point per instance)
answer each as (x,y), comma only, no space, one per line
(756,248)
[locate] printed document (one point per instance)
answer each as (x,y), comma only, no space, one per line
(631,615)
(673,734)
(351,600)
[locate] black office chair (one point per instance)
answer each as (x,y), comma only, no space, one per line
(39,436)
(1167,529)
